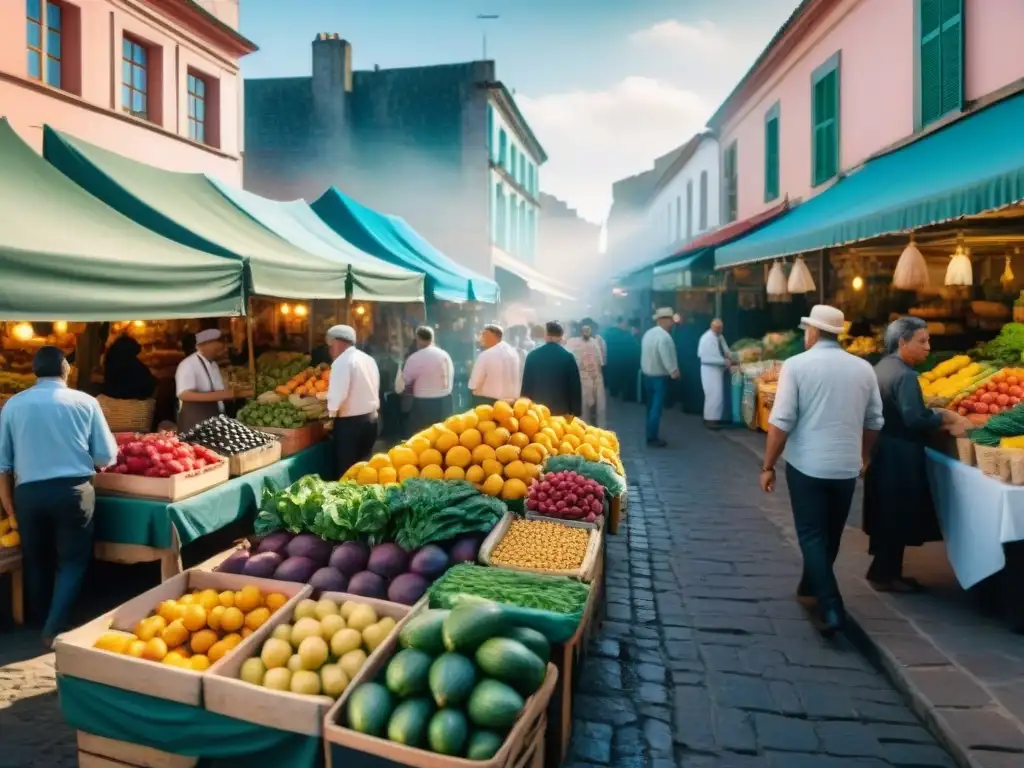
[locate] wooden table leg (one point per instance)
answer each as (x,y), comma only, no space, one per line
(170,559)
(18,596)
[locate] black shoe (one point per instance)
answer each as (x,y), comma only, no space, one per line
(807,601)
(829,621)
(657,443)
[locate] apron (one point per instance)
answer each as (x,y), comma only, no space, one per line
(590,359)
(190,414)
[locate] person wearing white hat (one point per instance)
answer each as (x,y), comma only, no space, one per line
(826,417)
(199,384)
(659,364)
(353,399)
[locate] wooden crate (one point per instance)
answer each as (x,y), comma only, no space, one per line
(258,458)
(100,752)
(614,514)
(584,573)
(596,525)
(567,658)
(295,440)
(225,694)
(174,488)
(10,562)
(349,749)
(76,656)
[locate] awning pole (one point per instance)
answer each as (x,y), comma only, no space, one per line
(250,334)
(309,324)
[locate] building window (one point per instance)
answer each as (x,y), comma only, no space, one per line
(196,108)
(703,220)
(771,154)
(730,186)
(502,147)
(825,117)
(502,217)
(689,209)
(490,131)
(514,165)
(941,56)
(134,77)
(513,245)
(532,170)
(44,41)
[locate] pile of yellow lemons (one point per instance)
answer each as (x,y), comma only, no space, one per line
(197,629)
(499,448)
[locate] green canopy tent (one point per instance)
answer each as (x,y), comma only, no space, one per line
(66,255)
(187,208)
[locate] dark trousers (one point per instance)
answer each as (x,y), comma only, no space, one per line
(820,509)
(888,563)
(354,437)
(655,389)
(56,526)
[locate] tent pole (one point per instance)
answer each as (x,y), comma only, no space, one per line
(250,336)
(309,324)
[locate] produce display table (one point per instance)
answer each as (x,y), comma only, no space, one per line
(131,530)
(219,741)
(979,514)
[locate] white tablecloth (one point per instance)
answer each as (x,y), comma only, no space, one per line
(978,515)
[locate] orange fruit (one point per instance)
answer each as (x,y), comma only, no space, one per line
(169,610)
(408,471)
(135,648)
(475,474)
(456,424)
(432,472)
(454,473)
(458,456)
(225,598)
(418,444)
(469,420)
(506,454)
(471,438)
(275,600)
(248,598)
(379,460)
(149,628)
(232,620)
(195,618)
(492,467)
(155,650)
(502,411)
(213,618)
(402,455)
(231,640)
(446,441)
(533,454)
(386,475)
(217,651)
(256,618)
(529,424)
(521,406)
(519,440)
(175,634)
(353,472)
(366,476)
(209,599)
(511,424)
(202,640)
(516,470)
(429,457)
(481,453)
(513,488)
(115,642)
(486,426)
(492,485)
(199,663)
(484,412)
(497,437)
(566,449)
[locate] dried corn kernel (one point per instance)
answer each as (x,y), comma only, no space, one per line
(542,545)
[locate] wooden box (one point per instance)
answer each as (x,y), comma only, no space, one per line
(350,749)
(100,752)
(295,440)
(584,573)
(596,525)
(614,514)
(76,656)
(225,694)
(257,458)
(174,488)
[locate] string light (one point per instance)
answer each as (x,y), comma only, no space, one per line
(300,310)
(60,327)
(23,331)
(858,283)
(139,323)
(286,309)
(360,310)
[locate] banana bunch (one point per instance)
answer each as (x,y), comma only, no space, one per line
(314,408)
(948,386)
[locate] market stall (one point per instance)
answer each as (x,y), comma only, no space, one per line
(430,608)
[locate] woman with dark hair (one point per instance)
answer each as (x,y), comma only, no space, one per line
(898,509)
(125,376)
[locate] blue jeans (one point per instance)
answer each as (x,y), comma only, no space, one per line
(55,521)
(655,388)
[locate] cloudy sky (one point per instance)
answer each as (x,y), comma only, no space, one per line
(607,85)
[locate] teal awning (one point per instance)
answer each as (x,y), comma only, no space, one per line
(371,279)
(393,240)
(686,262)
(970,167)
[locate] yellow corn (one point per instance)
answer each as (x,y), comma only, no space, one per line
(542,545)
(1012,442)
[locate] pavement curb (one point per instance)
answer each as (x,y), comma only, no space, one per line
(954,705)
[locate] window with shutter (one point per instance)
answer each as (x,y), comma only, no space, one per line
(771,154)
(940,58)
(730,186)
(689,209)
(825,121)
(703,200)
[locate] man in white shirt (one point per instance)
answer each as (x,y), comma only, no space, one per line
(199,384)
(715,359)
(353,399)
(827,416)
(659,364)
(426,379)
(591,357)
(495,374)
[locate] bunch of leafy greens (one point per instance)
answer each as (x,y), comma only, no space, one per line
(342,511)
(424,511)
(1007,348)
(600,472)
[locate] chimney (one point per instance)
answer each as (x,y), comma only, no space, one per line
(331,84)
(332,61)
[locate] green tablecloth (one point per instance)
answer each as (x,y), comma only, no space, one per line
(219,741)
(122,520)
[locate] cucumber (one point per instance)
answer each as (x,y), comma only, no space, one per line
(469,624)
(494,705)
(409,721)
(511,662)
(452,677)
(448,732)
(408,673)
(424,632)
(533,640)
(483,745)
(369,708)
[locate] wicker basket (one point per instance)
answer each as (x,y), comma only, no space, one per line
(128,415)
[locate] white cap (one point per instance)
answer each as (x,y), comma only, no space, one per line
(210,334)
(342,333)
(664,313)
(824,318)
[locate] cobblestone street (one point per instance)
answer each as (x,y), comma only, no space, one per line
(704,659)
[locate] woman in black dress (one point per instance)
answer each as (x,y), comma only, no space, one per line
(898,509)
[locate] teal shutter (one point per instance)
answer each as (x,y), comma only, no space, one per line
(941,58)
(825,129)
(771,155)
(490,132)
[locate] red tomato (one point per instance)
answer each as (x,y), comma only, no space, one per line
(1014,400)
(992,386)
(1003,388)
(1016,391)
(988,397)
(1003,399)
(962,410)
(1001,376)
(981,408)
(1012,380)
(995,409)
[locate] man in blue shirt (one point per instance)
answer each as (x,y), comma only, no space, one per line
(52,439)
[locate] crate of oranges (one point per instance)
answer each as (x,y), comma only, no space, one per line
(542,546)
(162,642)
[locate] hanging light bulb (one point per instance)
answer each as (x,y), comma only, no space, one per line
(300,310)
(23,332)
(959,271)
(858,283)
(800,280)
(1007,277)
(60,327)
(911,270)
(776,285)
(286,309)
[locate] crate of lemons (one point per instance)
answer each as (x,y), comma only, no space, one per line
(196,630)
(499,448)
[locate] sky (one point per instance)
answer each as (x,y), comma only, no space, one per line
(606,85)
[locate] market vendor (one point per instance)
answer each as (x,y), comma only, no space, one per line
(898,509)
(353,399)
(198,382)
(52,439)
(425,381)
(715,359)
(125,376)
(496,375)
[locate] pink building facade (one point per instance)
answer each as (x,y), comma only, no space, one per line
(847,79)
(155,80)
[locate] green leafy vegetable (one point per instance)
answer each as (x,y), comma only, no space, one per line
(1006,424)
(424,511)
(342,511)
(1007,348)
(526,590)
(603,473)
